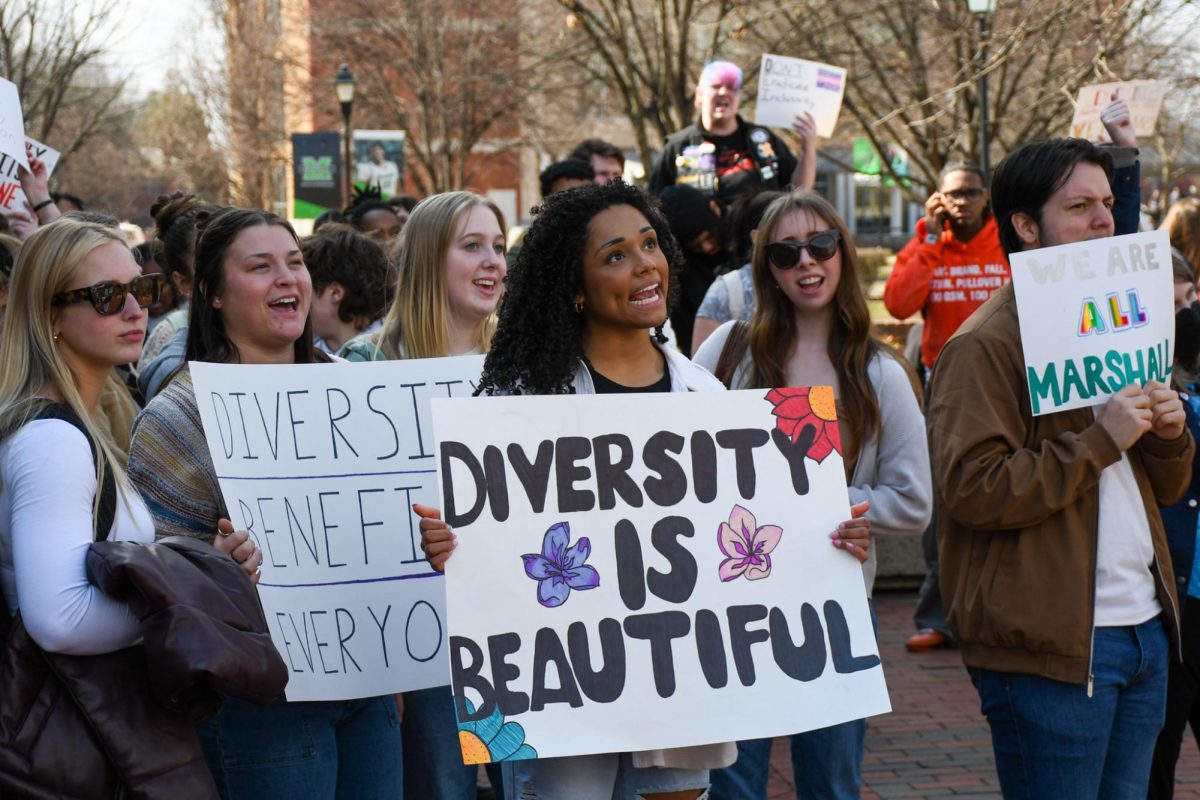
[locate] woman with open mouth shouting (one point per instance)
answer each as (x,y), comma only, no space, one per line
(811,327)
(586,300)
(451,276)
(250,304)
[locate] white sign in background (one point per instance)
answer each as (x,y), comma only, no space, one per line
(12,198)
(12,124)
(566,666)
(787,87)
(1144,99)
(321,463)
(1095,316)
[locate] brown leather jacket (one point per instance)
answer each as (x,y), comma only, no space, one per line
(1019,495)
(123,724)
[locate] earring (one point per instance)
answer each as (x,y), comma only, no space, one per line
(216,302)
(578,306)
(56,336)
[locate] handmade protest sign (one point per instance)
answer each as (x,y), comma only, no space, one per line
(1144,99)
(11,196)
(321,464)
(1095,316)
(651,570)
(12,125)
(788,87)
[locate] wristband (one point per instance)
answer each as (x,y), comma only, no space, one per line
(47,202)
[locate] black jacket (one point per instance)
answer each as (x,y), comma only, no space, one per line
(92,726)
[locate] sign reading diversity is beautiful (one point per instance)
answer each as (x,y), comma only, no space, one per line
(11,196)
(788,87)
(645,571)
(1095,317)
(321,464)
(1144,99)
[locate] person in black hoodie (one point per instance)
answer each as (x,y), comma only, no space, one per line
(696,223)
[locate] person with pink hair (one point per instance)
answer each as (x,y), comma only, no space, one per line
(725,156)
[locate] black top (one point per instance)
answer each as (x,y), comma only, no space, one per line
(605,386)
(726,166)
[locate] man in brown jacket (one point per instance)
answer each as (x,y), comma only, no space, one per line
(1054,563)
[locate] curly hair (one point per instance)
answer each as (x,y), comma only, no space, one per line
(340,254)
(364,202)
(539,339)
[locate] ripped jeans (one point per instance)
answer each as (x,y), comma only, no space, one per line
(609,776)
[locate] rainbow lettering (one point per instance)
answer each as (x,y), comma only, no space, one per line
(1092,319)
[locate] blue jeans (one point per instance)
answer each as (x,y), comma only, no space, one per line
(345,749)
(433,765)
(826,763)
(1052,741)
(610,776)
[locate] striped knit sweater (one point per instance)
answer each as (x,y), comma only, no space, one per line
(170,465)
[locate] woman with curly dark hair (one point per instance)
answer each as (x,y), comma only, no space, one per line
(591,282)
(349,278)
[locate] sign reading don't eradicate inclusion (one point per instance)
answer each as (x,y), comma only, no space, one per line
(321,464)
(648,571)
(1095,317)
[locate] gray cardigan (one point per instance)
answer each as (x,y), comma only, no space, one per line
(893,466)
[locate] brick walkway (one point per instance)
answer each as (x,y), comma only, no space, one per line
(917,752)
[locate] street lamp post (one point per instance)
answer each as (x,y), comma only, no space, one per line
(344,84)
(982,9)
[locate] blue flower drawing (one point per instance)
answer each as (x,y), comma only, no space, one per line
(558,568)
(492,739)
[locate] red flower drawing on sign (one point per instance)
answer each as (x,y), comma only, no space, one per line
(800,407)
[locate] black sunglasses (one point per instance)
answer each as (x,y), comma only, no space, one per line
(108,297)
(785,255)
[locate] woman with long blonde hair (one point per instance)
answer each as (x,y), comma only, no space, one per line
(451,268)
(450,275)
(76,309)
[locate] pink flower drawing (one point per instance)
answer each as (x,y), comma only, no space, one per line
(747,546)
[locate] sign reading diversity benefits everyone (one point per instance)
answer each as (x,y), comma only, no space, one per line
(1095,317)
(645,571)
(321,464)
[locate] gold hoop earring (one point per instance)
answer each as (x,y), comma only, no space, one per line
(578,306)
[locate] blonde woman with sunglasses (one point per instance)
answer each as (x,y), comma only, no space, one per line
(76,309)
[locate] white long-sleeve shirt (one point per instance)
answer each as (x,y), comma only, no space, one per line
(48,486)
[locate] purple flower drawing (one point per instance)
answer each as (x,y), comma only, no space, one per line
(558,568)
(747,546)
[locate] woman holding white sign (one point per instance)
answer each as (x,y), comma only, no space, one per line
(250,305)
(451,275)
(811,327)
(591,283)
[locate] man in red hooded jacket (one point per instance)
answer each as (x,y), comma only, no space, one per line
(952,265)
(948,270)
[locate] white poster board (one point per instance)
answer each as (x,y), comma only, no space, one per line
(321,463)
(1095,316)
(1144,99)
(11,196)
(12,126)
(651,570)
(787,87)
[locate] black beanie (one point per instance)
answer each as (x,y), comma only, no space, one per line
(688,212)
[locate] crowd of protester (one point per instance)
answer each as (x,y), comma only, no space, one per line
(1060,548)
